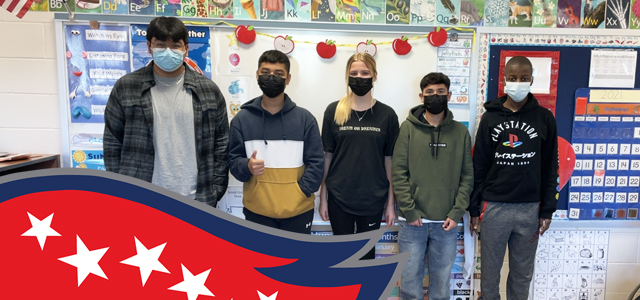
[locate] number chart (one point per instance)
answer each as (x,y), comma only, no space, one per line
(606,139)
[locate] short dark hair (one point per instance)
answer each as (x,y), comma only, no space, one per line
(274,57)
(519,60)
(163,28)
(434,78)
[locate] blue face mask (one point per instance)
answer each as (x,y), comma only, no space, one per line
(168,59)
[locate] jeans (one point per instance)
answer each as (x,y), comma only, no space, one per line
(440,248)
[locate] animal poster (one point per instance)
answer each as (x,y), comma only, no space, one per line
(141,7)
(448,12)
(298,10)
(568,15)
(496,13)
(634,15)
(323,10)
(617,15)
(116,7)
(95,59)
(571,265)
(593,12)
(545,13)
(520,14)
(39,5)
(373,11)
(348,11)
(399,11)
(220,9)
(472,12)
(423,12)
(271,10)
(168,7)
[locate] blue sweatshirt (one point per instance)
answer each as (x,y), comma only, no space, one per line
(289,143)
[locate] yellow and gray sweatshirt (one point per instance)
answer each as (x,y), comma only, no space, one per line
(289,143)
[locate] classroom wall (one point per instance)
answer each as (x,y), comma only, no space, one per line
(29,106)
(30,122)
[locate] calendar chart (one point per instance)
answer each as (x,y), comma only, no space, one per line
(606,139)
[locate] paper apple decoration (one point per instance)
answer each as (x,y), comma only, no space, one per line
(284,44)
(401,46)
(326,49)
(368,47)
(437,37)
(245,35)
(567,160)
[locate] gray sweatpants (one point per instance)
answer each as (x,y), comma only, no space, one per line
(515,225)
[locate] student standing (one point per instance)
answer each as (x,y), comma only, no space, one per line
(432,179)
(276,150)
(358,133)
(167,124)
(516,171)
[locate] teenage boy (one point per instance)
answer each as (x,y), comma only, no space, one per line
(432,181)
(276,150)
(167,124)
(516,169)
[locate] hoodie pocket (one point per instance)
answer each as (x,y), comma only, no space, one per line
(434,204)
(277,199)
(511,184)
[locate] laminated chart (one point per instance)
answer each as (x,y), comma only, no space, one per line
(571,265)
(606,139)
(454,60)
(95,60)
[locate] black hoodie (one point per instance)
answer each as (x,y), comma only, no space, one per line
(516,157)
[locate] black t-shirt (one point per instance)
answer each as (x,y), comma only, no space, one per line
(357,176)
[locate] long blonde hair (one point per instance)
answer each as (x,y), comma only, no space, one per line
(343,110)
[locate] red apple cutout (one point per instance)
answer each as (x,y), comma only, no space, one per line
(567,160)
(245,35)
(326,49)
(284,44)
(368,47)
(401,46)
(438,37)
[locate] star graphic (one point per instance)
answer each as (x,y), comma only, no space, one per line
(232,40)
(41,229)
(86,261)
(193,285)
(146,260)
(263,297)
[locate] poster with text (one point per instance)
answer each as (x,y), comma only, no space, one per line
(168,7)
(298,10)
(447,12)
(117,7)
(323,10)
(39,5)
(545,13)
(95,60)
(220,9)
(88,159)
(199,57)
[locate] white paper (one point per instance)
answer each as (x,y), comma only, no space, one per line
(541,74)
(613,68)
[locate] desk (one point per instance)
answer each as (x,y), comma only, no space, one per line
(40,161)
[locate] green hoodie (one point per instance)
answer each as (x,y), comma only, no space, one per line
(432,182)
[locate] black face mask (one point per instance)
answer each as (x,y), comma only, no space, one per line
(435,104)
(360,86)
(271,85)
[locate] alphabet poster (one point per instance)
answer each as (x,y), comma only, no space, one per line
(571,265)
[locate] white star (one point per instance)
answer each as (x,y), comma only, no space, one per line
(263,297)
(40,229)
(86,261)
(146,260)
(193,285)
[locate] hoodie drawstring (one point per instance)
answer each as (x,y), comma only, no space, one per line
(264,129)
(434,146)
(284,136)
(438,142)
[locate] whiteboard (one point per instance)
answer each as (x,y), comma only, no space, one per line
(316,82)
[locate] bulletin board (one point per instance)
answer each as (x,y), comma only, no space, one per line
(573,74)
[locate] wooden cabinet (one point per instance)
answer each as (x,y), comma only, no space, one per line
(36,162)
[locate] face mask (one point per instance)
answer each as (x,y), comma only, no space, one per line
(435,104)
(517,91)
(168,59)
(360,86)
(271,85)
